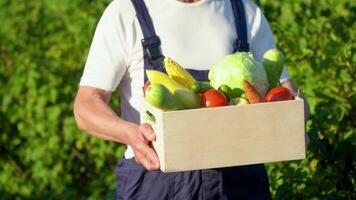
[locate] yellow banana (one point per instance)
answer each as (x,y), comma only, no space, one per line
(155,76)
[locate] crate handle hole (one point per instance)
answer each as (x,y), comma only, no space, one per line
(150,116)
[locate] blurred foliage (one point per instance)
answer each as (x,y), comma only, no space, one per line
(318,39)
(44,156)
(42,54)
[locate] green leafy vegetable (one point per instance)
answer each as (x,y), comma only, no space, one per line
(233,69)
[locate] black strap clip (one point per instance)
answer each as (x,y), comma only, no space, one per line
(153,47)
(241,46)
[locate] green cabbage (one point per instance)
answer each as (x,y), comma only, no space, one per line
(235,68)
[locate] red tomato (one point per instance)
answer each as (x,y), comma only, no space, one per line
(148,83)
(213,98)
(278,93)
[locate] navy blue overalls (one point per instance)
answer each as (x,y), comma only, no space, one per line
(134,182)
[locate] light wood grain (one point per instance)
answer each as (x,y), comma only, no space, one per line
(228,136)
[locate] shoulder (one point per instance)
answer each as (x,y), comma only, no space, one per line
(250,7)
(253,13)
(120,9)
(254,17)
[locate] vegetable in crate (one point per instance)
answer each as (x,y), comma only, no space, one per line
(238,101)
(159,96)
(278,93)
(226,90)
(147,84)
(235,68)
(201,86)
(155,76)
(213,98)
(237,92)
(273,61)
(178,73)
(251,93)
(189,99)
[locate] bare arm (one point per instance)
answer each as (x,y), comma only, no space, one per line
(94,116)
(293,88)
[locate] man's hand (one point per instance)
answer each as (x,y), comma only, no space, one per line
(140,139)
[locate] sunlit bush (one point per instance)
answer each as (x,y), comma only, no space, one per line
(43,47)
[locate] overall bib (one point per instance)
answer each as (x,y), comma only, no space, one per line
(134,182)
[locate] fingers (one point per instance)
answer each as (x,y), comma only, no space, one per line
(140,141)
(147,131)
(146,156)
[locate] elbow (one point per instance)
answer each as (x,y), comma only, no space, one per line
(78,113)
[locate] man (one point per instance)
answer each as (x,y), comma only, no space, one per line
(196,34)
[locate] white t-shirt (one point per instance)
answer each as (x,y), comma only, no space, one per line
(196,35)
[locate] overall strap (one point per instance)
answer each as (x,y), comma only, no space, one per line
(241,42)
(151,43)
(144,18)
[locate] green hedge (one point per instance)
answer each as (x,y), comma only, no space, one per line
(43,47)
(318,38)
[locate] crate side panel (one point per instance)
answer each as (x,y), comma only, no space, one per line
(232,136)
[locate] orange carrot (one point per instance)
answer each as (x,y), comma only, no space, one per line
(251,93)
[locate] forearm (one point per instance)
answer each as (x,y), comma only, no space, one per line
(94,116)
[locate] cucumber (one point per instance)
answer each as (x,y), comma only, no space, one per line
(189,99)
(226,90)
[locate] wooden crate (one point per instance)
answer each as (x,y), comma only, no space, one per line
(228,136)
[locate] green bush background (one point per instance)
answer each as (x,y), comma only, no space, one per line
(43,47)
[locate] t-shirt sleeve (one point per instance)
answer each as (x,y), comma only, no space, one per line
(263,39)
(107,59)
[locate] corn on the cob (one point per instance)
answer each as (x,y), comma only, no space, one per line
(178,73)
